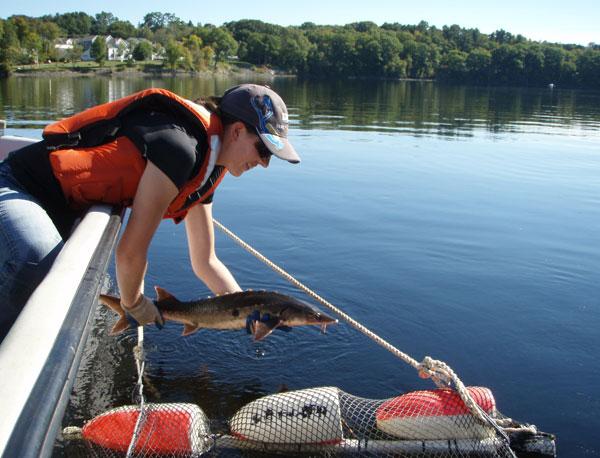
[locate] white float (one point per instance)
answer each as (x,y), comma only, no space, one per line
(310,416)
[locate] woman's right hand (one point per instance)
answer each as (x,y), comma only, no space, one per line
(145,312)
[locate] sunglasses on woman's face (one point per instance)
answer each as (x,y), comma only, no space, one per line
(262,149)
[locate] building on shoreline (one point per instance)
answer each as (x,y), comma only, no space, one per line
(117,49)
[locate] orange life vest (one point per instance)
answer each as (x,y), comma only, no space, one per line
(93,164)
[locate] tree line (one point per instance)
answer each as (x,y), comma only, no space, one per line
(357,50)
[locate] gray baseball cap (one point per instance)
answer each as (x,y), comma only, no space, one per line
(261,107)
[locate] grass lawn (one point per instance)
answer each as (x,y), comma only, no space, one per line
(88,67)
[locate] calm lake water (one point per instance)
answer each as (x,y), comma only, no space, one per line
(457,222)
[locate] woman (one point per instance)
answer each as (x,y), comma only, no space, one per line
(160,154)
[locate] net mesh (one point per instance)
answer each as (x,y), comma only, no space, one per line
(312,422)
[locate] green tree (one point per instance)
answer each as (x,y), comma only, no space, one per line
(221,41)
(242,29)
(174,52)
(202,57)
(553,62)
(157,20)
(342,53)
(99,51)
(74,24)
(369,55)
(142,51)
(363,27)
(48,32)
(502,37)
(454,66)
(153,21)
(507,64)
(568,75)
(356,49)
(293,51)
(145,33)
(533,64)
(391,47)
(261,48)
(395,67)
(424,61)
(162,36)
(9,47)
(122,29)
(31,46)
(178,29)
(207,57)
(478,65)
(101,23)
(588,67)
(74,54)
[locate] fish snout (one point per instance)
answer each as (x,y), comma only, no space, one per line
(323,318)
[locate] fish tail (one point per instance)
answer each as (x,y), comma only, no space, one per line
(114,303)
(120,326)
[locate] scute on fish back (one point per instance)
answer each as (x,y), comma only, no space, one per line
(260,312)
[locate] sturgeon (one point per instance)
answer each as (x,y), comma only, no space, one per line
(259,312)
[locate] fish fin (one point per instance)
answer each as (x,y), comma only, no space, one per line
(251,320)
(261,329)
(189,329)
(120,326)
(112,302)
(162,294)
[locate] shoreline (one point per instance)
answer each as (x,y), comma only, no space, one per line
(109,72)
(238,72)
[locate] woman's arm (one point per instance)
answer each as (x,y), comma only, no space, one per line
(155,192)
(201,243)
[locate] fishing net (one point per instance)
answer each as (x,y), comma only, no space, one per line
(451,421)
(312,422)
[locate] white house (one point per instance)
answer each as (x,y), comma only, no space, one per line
(63,46)
(117,49)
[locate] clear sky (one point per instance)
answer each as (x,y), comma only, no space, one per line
(575,21)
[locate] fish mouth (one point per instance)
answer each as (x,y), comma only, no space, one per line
(323,321)
(324,324)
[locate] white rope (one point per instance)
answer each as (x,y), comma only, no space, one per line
(438,371)
(138,352)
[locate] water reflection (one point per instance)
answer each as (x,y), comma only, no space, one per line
(407,107)
(467,250)
(426,108)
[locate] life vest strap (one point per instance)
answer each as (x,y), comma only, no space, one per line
(88,136)
(69,140)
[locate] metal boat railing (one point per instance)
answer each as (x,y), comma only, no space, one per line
(40,355)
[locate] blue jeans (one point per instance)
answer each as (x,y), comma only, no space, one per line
(29,243)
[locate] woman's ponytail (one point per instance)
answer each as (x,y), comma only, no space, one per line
(213,104)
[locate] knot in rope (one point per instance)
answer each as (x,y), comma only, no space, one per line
(445,377)
(438,371)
